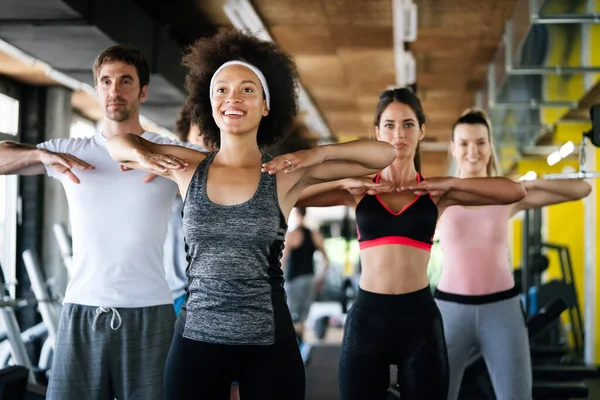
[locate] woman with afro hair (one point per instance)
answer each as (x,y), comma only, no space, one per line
(235,324)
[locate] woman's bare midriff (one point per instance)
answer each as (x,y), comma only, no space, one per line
(394,269)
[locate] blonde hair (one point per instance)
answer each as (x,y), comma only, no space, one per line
(474,116)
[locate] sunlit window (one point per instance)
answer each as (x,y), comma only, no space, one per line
(9,130)
(9,115)
(81,127)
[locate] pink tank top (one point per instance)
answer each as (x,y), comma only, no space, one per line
(474,244)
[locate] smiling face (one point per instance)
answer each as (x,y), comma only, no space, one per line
(398,125)
(471,149)
(119,91)
(238,102)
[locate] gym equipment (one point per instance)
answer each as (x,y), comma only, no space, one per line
(531,261)
(45,330)
(46,304)
(554,348)
(64,244)
(594,136)
(321,325)
(532,267)
(347,295)
(13,331)
(30,335)
(566,292)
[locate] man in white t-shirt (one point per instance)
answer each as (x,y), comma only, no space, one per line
(117,320)
(175,258)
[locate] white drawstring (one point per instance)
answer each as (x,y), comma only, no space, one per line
(115,316)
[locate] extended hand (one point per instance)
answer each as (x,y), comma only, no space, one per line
(362,186)
(63,163)
(435,187)
(159,163)
(146,179)
(293,161)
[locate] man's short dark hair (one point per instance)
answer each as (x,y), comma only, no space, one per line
(127,55)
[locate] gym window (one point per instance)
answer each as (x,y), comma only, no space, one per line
(82,127)
(9,194)
(9,116)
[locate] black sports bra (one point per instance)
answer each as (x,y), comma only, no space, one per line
(414,225)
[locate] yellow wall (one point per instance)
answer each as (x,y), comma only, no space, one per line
(597,250)
(564,224)
(517,248)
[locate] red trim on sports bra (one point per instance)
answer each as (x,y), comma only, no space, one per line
(403,208)
(395,240)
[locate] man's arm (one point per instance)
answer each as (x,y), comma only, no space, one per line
(23,159)
(20,159)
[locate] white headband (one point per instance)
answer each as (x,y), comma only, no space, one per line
(261,77)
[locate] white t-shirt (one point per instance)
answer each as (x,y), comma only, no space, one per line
(118,226)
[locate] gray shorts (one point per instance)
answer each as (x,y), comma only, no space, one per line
(123,358)
(300,295)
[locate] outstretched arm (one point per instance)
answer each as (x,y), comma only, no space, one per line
(344,192)
(470,191)
(336,161)
(542,193)
(23,159)
(326,164)
(20,159)
(136,152)
(482,191)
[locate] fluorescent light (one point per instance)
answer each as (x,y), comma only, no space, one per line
(554,158)
(9,115)
(405,19)
(561,153)
(404,13)
(529,176)
(566,149)
(410,66)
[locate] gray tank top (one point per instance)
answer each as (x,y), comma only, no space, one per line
(235,293)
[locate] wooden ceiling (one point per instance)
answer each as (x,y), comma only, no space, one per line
(35,74)
(344,52)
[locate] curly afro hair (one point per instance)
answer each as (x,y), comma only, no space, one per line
(206,55)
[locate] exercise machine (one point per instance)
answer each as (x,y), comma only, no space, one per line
(8,319)
(65,245)
(44,331)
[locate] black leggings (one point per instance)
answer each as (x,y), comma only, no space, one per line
(404,330)
(200,370)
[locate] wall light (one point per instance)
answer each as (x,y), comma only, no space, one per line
(529,176)
(566,149)
(562,152)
